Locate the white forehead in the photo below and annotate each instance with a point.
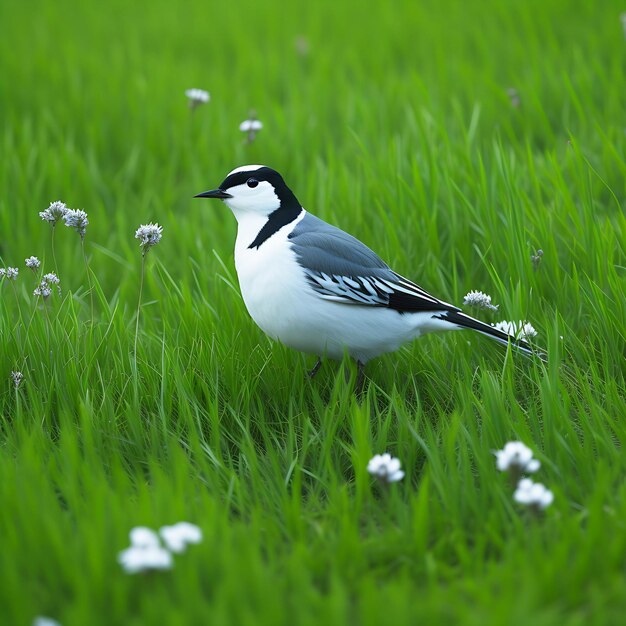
(246, 168)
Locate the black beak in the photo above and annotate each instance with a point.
(214, 193)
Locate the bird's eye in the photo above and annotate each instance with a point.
(252, 182)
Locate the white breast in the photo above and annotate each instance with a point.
(270, 278)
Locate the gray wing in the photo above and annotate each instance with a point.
(342, 269)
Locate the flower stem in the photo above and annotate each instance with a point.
(54, 256)
(143, 265)
(82, 245)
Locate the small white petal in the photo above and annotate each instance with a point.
(177, 537)
(532, 466)
(396, 476)
(143, 537)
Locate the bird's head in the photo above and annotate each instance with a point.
(254, 189)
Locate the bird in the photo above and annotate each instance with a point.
(319, 290)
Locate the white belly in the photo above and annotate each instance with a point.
(280, 301)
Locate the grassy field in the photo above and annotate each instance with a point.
(392, 121)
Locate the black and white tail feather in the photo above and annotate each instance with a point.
(404, 296)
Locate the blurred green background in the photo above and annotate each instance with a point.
(395, 121)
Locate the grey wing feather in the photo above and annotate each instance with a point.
(342, 269)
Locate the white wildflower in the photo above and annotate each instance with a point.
(480, 300)
(177, 537)
(197, 97)
(54, 212)
(51, 278)
(17, 378)
(247, 125)
(516, 457)
(33, 263)
(140, 559)
(42, 620)
(149, 235)
(76, 219)
(519, 330)
(251, 126)
(385, 468)
(10, 273)
(44, 288)
(3, 272)
(302, 45)
(536, 259)
(535, 495)
(514, 97)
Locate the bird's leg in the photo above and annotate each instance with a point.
(316, 368)
(360, 377)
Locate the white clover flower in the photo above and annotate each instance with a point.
(177, 537)
(197, 97)
(149, 235)
(144, 537)
(516, 457)
(140, 559)
(42, 620)
(76, 219)
(250, 125)
(535, 495)
(54, 212)
(17, 378)
(480, 300)
(519, 330)
(33, 263)
(385, 468)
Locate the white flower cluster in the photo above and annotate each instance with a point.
(76, 219)
(44, 289)
(197, 97)
(532, 494)
(10, 273)
(149, 235)
(54, 212)
(480, 300)
(33, 263)
(17, 378)
(146, 552)
(385, 468)
(519, 330)
(515, 456)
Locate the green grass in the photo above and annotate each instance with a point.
(397, 127)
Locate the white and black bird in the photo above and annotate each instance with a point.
(319, 290)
